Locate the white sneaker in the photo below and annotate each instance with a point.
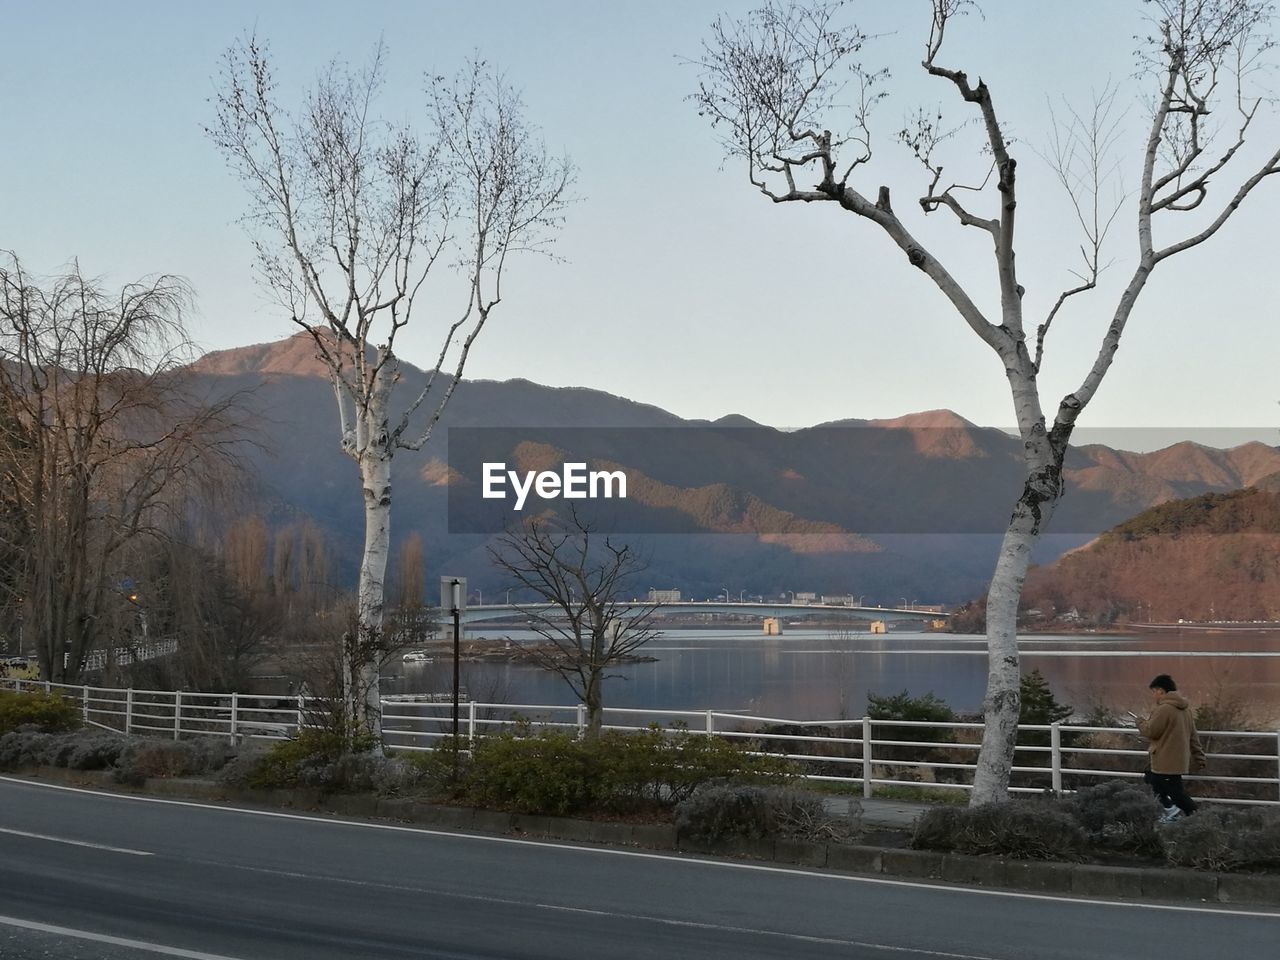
(1170, 814)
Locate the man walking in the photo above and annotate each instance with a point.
(1174, 747)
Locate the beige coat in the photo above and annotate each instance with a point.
(1174, 744)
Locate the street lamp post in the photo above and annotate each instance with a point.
(455, 596)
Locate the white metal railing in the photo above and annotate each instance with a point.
(863, 753)
(125, 655)
(177, 713)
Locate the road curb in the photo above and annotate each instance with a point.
(1079, 879)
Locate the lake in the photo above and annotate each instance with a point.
(818, 674)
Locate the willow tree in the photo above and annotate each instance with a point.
(351, 214)
(105, 448)
(788, 90)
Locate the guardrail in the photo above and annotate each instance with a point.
(863, 754)
(178, 713)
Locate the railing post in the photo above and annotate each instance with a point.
(177, 714)
(235, 717)
(471, 723)
(582, 720)
(866, 756)
(128, 711)
(48, 687)
(298, 731)
(1055, 754)
(84, 694)
(711, 723)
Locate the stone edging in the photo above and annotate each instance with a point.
(1078, 879)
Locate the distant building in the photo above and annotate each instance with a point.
(804, 597)
(843, 600)
(664, 596)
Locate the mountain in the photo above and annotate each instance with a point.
(1213, 556)
(909, 508)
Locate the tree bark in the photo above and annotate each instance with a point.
(595, 705)
(1002, 704)
(363, 660)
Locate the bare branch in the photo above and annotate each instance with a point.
(351, 215)
(590, 627)
(1081, 153)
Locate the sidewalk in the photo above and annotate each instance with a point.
(895, 814)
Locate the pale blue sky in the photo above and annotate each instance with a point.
(681, 286)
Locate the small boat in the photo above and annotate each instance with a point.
(463, 697)
(417, 656)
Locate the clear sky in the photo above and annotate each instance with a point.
(681, 286)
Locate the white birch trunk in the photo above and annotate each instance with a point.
(1003, 701)
(362, 659)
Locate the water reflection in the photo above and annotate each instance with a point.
(820, 674)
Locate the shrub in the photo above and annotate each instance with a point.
(725, 811)
(353, 772)
(903, 706)
(47, 711)
(239, 769)
(1039, 705)
(1019, 830)
(685, 761)
(140, 760)
(805, 815)
(1225, 839)
(311, 757)
(550, 772)
(95, 751)
(396, 777)
(440, 773)
(24, 748)
(1119, 815)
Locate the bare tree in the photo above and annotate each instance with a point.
(350, 216)
(787, 89)
(580, 613)
(412, 621)
(104, 447)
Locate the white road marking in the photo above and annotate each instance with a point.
(76, 843)
(756, 932)
(667, 857)
(113, 941)
(446, 894)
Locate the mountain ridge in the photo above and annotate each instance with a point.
(918, 501)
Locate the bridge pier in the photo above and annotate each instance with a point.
(772, 626)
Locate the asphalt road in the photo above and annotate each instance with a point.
(92, 875)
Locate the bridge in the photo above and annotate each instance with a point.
(789, 611)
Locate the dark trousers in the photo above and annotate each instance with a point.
(1168, 790)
